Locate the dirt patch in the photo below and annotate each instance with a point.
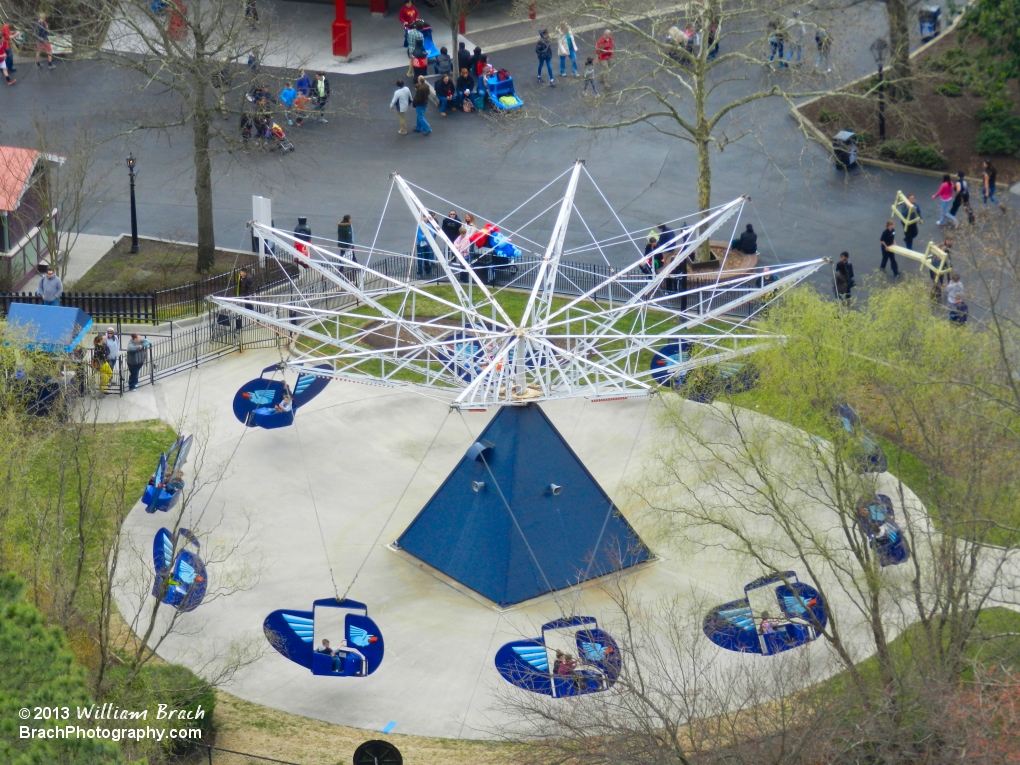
(946, 123)
(156, 266)
(253, 729)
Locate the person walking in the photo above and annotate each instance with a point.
(287, 96)
(136, 356)
(421, 103)
(844, 278)
(988, 178)
(101, 361)
(321, 95)
(50, 288)
(41, 30)
(400, 101)
(543, 49)
(604, 53)
(795, 34)
(777, 41)
(6, 56)
(887, 240)
(945, 197)
(589, 77)
(911, 215)
(407, 16)
(303, 84)
(416, 47)
(251, 13)
(345, 236)
(113, 344)
(961, 194)
(566, 47)
(7, 35)
(823, 42)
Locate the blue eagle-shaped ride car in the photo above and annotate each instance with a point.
(534, 664)
(181, 578)
(337, 638)
(878, 523)
(255, 403)
(165, 487)
(461, 354)
(777, 613)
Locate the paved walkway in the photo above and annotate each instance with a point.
(359, 463)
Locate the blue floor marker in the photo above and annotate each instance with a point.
(390, 726)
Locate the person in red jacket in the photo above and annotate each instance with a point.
(408, 14)
(604, 54)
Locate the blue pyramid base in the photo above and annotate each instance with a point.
(521, 516)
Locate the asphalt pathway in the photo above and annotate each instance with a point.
(801, 206)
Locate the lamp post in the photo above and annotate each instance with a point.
(879, 49)
(134, 213)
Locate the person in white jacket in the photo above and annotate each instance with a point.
(567, 47)
(400, 101)
(795, 33)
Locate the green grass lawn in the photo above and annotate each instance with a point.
(112, 456)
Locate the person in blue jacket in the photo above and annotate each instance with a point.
(287, 96)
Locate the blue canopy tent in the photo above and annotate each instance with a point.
(521, 516)
(50, 328)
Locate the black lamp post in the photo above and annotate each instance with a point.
(879, 49)
(134, 213)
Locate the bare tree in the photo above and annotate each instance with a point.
(188, 50)
(453, 11)
(691, 77)
(73, 188)
(779, 497)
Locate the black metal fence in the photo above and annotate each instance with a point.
(189, 299)
(134, 309)
(213, 755)
(215, 336)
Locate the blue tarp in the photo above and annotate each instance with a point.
(517, 536)
(50, 328)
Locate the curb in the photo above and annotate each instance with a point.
(826, 141)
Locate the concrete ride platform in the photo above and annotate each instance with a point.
(359, 463)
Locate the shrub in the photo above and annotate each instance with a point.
(999, 136)
(864, 138)
(913, 152)
(952, 61)
(949, 89)
(170, 684)
(825, 116)
(996, 108)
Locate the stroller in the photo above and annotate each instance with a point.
(275, 133)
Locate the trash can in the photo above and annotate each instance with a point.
(930, 18)
(844, 149)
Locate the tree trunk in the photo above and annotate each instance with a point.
(701, 143)
(898, 13)
(455, 34)
(203, 192)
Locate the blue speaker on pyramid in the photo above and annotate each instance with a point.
(521, 516)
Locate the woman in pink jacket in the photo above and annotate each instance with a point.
(945, 197)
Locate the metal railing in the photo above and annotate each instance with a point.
(214, 755)
(102, 306)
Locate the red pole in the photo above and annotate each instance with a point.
(531, 11)
(463, 24)
(341, 30)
